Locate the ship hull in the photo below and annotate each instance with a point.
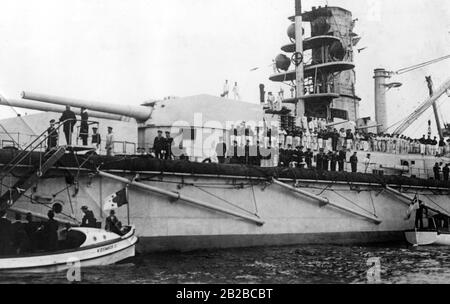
(165, 224)
(241, 211)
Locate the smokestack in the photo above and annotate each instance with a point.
(380, 76)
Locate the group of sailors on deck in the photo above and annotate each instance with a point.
(69, 120)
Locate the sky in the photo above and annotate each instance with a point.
(127, 52)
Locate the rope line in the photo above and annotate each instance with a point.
(224, 200)
(352, 202)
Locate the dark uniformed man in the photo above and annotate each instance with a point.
(354, 162)
(342, 158)
(112, 223)
(445, 172)
(89, 219)
(300, 157)
(31, 229)
(419, 215)
(234, 153)
(221, 151)
(258, 156)
(333, 161)
(158, 145)
(96, 138)
(5, 234)
(308, 158)
(289, 155)
(70, 120)
(334, 139)
(326, 161)
(52, 136)
(253, 155)
(320, 160)
(84, 126)
(51, 232)
(168, 146)
(247, 152)
(437, 172)
(281, 155)
(20, 238)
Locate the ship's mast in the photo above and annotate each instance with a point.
(300, 105)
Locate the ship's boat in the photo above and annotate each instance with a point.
(428, 237)
(84, 247)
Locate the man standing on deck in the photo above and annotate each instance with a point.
(236, 92)
(308, 158)
(437, 172)
(441, 147)
(419, 215)
(334, 158)
(334, 140)
(445, 172)
(434, 143)
(168, 146)
(320, 160)
(52, 136)
(109, 142)
(422, 142)
(226, 89)
(69, 119)
(84, 127)
(96, 139)
(366, 163)
(354, 162)
(342, 158)
(221, 151)
(271, 101)
(158, 145)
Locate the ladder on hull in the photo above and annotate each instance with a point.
(28, 180)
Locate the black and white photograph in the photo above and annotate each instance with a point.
(252, 143)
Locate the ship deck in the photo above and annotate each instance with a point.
(150, 165)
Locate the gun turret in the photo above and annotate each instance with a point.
(140, 113)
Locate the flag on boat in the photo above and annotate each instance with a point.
(412, 207)
(116, 200)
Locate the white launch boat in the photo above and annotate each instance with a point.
(428, 237)
(84, 247)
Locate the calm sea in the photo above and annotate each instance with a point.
(294, 264)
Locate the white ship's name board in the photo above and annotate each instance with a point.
(106, 248)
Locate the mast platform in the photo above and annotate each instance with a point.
(313, 97)
(312, 43)
(311, 70)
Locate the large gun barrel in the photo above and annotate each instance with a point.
(52, 108)
(140, 113)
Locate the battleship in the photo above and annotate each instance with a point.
(189, 203)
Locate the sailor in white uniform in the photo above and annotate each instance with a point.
(236, 92)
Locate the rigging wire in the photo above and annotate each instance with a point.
(420, 65)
